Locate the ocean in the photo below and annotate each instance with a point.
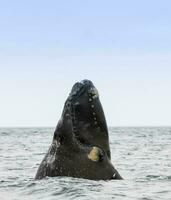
(142, 155)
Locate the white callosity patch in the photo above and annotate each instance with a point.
(77, 103)
(94, 93)
(94, 154)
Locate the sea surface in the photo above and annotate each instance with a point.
(141, 155)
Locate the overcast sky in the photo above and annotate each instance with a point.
(124, 47)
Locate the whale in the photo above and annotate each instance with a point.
(80, 145)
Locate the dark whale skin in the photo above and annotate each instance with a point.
(80, 146)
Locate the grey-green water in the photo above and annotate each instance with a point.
(141, 155)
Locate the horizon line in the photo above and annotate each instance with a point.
(116, 126)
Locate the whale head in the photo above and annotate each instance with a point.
(80, 146)
(88, 117)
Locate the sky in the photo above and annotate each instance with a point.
(123, 46)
